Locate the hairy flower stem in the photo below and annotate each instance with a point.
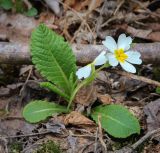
(74, 93)
(83, 83)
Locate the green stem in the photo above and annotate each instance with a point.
(74, 93)
(102, 67)
(81, 85)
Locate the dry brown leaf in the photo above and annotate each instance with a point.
(141, 33)
(76, 118)
(152, 110)
(139, 7)
(154, 36)
(86, 95)
(11, 127)
(145, 34)
(80, 5)
(154, 26)
(16, 27)
(69, 3)
(105, 99)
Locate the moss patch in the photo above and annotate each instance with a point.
(49, 147)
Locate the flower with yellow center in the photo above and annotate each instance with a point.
(85, 71)
(120, 53)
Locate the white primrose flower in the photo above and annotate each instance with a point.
(120, 53)
(85, 71)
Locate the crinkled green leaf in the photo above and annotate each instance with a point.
(31, 12)
(53, 57)
(116, 120)
(39, 110)
(6, 4)
(19, 6)
(55, 89)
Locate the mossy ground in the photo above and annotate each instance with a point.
(49, 147)
(15, 147)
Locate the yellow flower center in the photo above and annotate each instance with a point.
(120, 55)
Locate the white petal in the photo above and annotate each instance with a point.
(84, 72)
(128, 67)
(134, 57)
(110, 44)
(100, 59)
(112, 59)
(124, 42)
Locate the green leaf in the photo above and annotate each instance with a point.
(55, 89)
(39, 110)
(73, 81)
(158, 90)
(31, 12)
(116, 120)
(53, 57)
(19, 6)
(6, 4)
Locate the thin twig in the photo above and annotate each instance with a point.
(100, 133)
(29, 74)
(74, 11)
(138, 143)
(118, 7)
(91, 7)
(27, 135)
(84, 135)
(28, 4)
(145, 8)
(75, 34)
(144, 138)
(136, 77)
(96, 138)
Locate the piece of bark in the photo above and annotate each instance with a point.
(18, 53)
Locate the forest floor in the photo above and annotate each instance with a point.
(81, 22)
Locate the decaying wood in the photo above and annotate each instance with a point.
(18, 53)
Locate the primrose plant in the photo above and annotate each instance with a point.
(54, 59)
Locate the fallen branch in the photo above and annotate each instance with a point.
(18, 53)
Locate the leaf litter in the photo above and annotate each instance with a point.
(86, 25)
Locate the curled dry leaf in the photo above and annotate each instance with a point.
(87, 95)
(69, 3)
(154, 26)
(145, 34)
(76, 118)
(141, 33)
(154, 36)
(152, 110)
(80, 5)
